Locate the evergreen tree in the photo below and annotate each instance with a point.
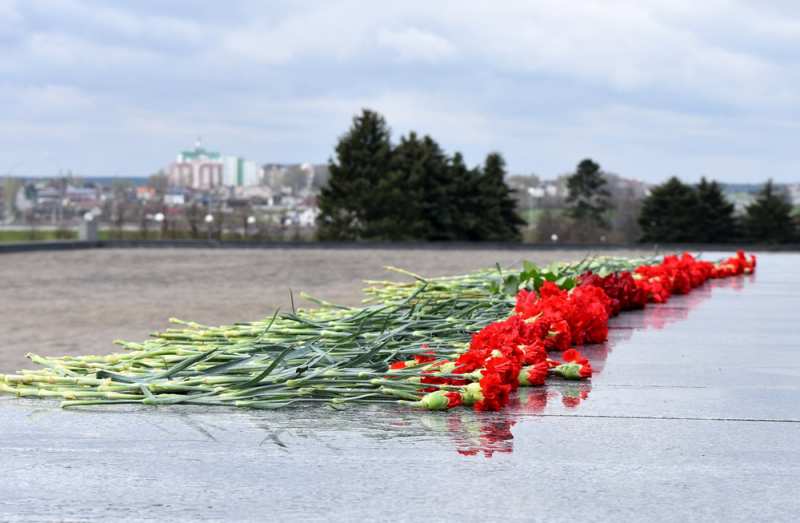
(466, 201)
(350, 206)
(588, 200)
(769, 218)
(438, 204)
(714, 220)
(668, 213)
(421, 178)
(412, 191)
(497, 207)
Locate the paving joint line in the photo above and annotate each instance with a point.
(668, 418)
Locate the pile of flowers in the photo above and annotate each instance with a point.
(539, 339)
(436, 343)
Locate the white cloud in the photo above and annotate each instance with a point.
(687, 82)
(412, 44)
(54, 49)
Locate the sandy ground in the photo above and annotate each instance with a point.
(78, 302)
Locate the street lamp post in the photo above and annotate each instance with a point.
(209, 220)
(159, 218)
(251, 220)
(88, 228)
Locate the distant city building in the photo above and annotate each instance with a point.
(240, 172)
(261, 193)
(145, 193)
(197, 168)
(79, 198)
(175, 197)
(25, 199)
(299, 177)
(307, 217)
(203, 169)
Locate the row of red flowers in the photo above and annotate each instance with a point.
(515, 351)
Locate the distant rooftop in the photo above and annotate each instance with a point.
(199, 152)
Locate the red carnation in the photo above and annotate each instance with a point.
(534, 374)
(494, 393)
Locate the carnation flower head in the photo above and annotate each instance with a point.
(534, 374)
(440, 400)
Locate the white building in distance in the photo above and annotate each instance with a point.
(202, 169)
(239, 172)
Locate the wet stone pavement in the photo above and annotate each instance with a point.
(693, 414)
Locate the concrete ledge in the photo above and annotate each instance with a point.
(34, 246)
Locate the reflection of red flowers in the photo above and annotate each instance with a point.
(572, 399)
(494, 436)
(533, 401)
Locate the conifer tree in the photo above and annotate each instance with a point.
(769, 218)
(497, 205)
(714, 221)
(466, 201)
(420, 171)
(350, 207)
(588, 200)
(413, 191)
(668, 213)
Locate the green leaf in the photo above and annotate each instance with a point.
(268, 370)
(529, 269)
(511, 285)
(566, 282)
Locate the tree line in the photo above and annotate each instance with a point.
(412, 190)
(677, 212)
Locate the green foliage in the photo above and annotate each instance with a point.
(532, 277)
(588, 200)
(412, 191)
(15, 236)
(668, 214)
(713, 217)
(675, 212)
(769, 218)
(496, 205)
(465, 185)
(350, 206)
(419, 191)
(10, 188)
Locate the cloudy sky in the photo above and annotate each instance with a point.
(646, 88)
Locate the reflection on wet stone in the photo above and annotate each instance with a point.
(486, 434)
